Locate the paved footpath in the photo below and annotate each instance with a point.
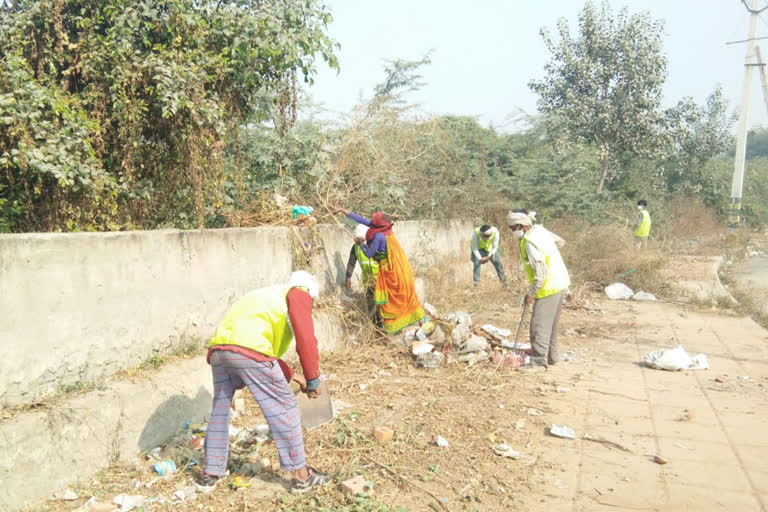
(714, 435)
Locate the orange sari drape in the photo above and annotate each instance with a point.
(396, 291)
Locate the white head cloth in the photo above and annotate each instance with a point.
(305, 280)
(360, 231)
(519, 218)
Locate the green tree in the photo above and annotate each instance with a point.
(137, 101)
(402, 76)
(603, 86)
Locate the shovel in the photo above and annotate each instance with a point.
(520, 326)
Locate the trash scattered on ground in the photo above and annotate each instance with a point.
(563, 390)
(164, 467)
(127, 502)
(460, 317)
(154, 453)
(720, 379)
(188, 493)
(425, 331)
(674, 359)
(743, 377)
(510, 359)
(606, 442)
(643, 296)
(241, 482)
(65, 495)
(430, 360)
(442, 442)
(383, 433)
(340, 405)
(504, 450)
(562, 431)
(686, 415)
(501, 335)
(299, 209)
(534, 412)
(473, 344)
(460, 334)
(471, 358)
(430, 310)
(356, 485)
(619, 291)
(421, 347)
(659, 460)
(522, 347)
(362, 387)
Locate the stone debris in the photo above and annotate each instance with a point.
(504, 450)
(442, 442)
(383, 433)
(356, 485)
(659, 460)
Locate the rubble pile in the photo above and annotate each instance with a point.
(453, 339)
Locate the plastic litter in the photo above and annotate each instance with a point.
(619, 291)
(523, 347)
(154, 453)
(164, 467)
(460, 317)
(299, 209)
(442, 442)
(473, 344)
(459, 334)
(674, 359)
(127, 502)
(471, 358)
(430, 360)
(562, 431)
(643, 296)
(504, 450)
(499, 334)
(421, 347)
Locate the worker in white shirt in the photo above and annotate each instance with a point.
(485, 248)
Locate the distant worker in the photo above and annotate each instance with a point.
(245, 351)
(549, 282)
(395, 292)
(369, 268)
(485, 248)
(642, 225)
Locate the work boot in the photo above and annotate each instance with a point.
(315, 479)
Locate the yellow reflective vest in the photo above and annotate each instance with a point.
(258, 321)
(557, 275)
(484, 244)
(369, 267)
(645, 226)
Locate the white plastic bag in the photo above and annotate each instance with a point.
(619, 291)
(643, 296)
(675, 359)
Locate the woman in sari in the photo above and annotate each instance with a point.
(395, 292)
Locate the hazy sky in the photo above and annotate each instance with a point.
(486, 51)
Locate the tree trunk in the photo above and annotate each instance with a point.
(605, 174)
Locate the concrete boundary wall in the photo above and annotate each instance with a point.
(79, 307)
(84, 306)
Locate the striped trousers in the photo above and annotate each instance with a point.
(266, 381)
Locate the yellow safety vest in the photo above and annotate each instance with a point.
(484, 244)
(258, 321)
(369, 267)
(645, 226)
(557, 275)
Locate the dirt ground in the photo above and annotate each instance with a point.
(711, 434)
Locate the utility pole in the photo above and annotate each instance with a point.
(741, 135)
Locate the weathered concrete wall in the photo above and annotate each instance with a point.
(78, 307)
(52, 449)
(84, 306)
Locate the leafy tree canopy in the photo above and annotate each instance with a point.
(603, 85)
(115, 112)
